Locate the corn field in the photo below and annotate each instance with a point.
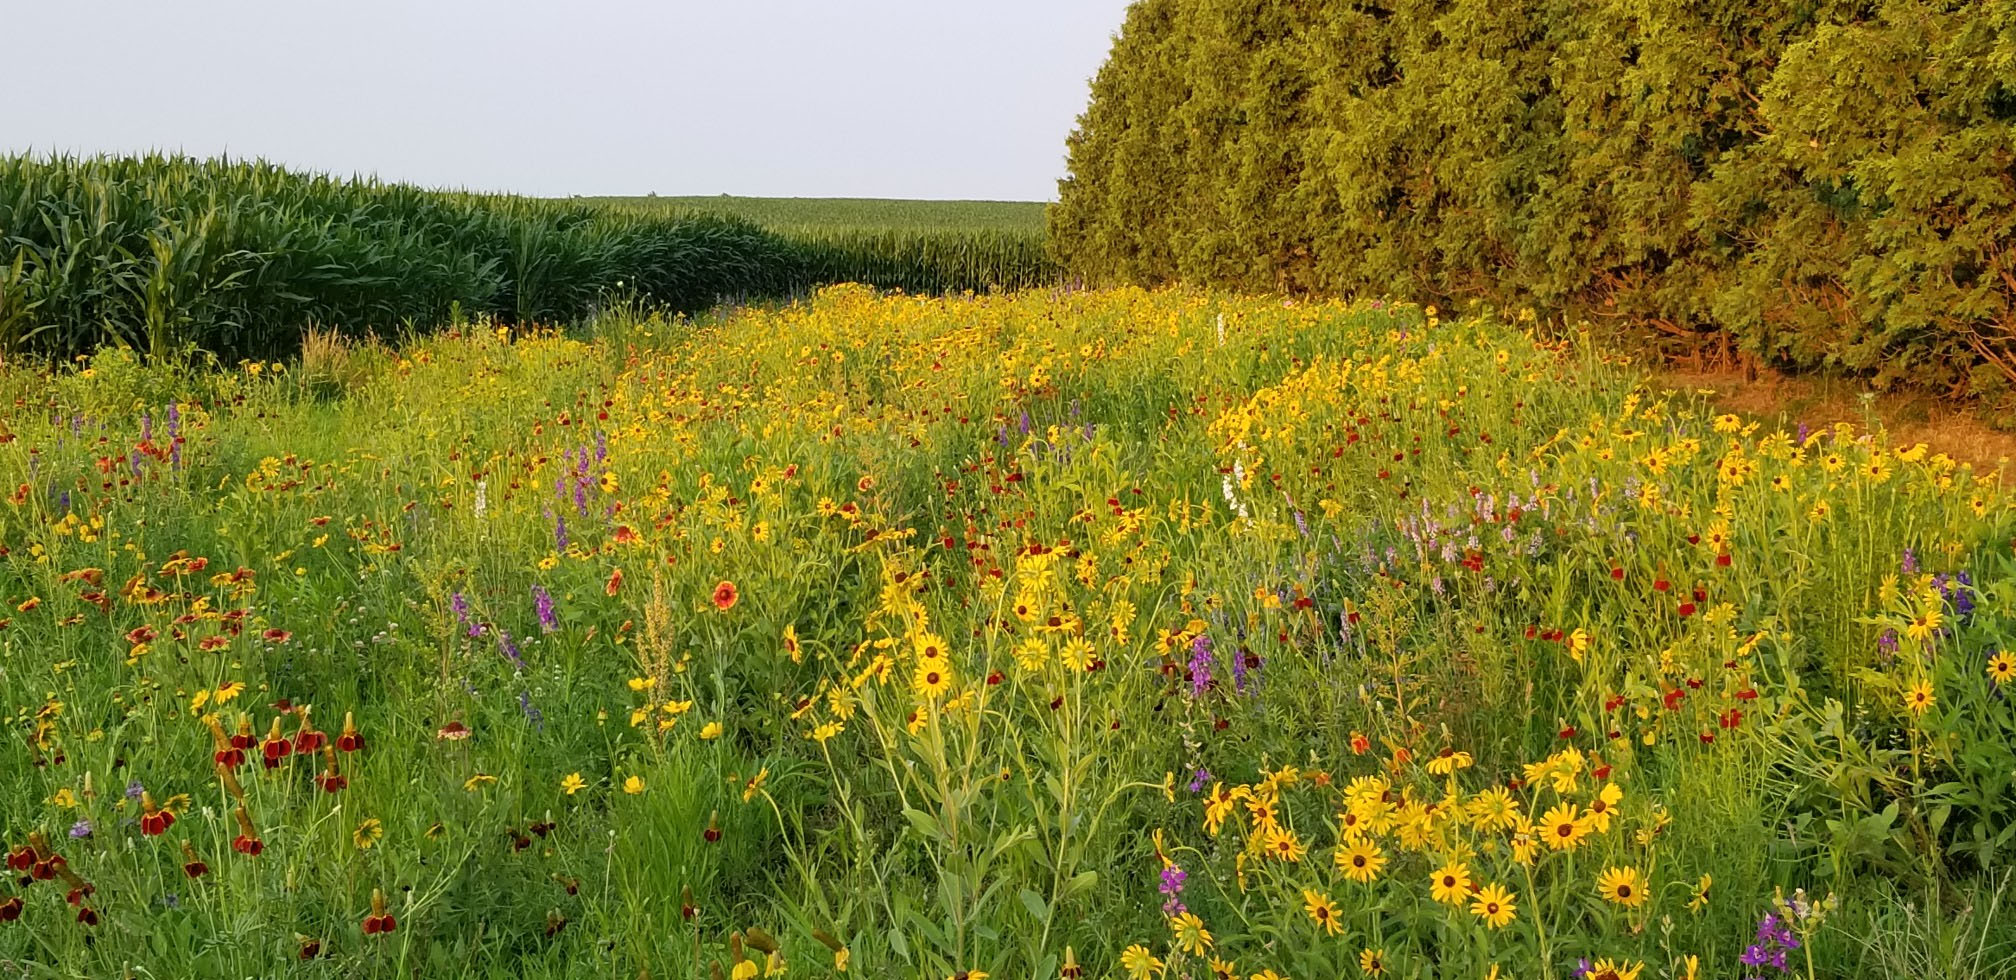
(164, 253)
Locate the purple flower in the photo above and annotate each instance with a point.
(1583, 968)
(1172, 886)
(80, 830)
(460, 604)
(1200, 665)
(543, 602)
(531, 713)
(134, 790)
(1198, 779)
(1910, 562)
(509, 649)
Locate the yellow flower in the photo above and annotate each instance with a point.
(826, 731)
(1448, 761)
(367, 833)
(1139, 963)
(643, 683)
(1494, 906)
(755, 784)
(573, 784)
(710, 731)
(1321, 911)
(1603, 807)
(1621, 886)
(2001, 668)
(745, 970)
(1191, 936)
(1360, 861)
(1285, 845)
(64, 798)
(1563, 827)
(1700, 899)
(1494, 809)
(478, 781)
(932, 680)
(1614, 970)
(1451, 883)
(1372, 962)
(633, 785)
(1919, 697)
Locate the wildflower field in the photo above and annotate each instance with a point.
(1055, 634)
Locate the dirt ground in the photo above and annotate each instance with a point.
(1958, 431)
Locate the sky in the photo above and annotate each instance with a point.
(787, 98)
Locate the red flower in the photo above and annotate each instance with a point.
(247, 842)
(1707, 738)
(308, 740)
(1731, 718)
(243, 738)
(350, 741)
(87, 916)
(329, 779)
(1360, 744)
(1722, 559)
(10, 909)
(1616, 573)
(192, 865)
(725, 596)
(379, 921)
(1661, 585)
(1673, 698)
(277, 636)
(615, 582)
(275, 746)
(1686, 610)
(153, 821)
(21, 859)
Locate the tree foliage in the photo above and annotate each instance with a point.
(1816, 183)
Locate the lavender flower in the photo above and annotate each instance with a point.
(510, 649)
(532, 714)
(1200, 665)
(1910, 562)
(1198, 779)
(80, 830)
(460, 605)
(543, 602)
(1172, 886)
(134, 790)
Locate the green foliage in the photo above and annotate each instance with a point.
(797, 213)
(1822, 184)
(239, 258)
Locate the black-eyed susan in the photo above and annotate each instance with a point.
(1919, 698)
(1563, 827)
(1321, 911)
(2002, 668)
(1607, 969)
(1450, 884)
(1603, 808)
(1372, 962)
(1494, 905)
(1448, 761)
(1283, 844)
(931, 680)
(1621, 886)
(1360, 860)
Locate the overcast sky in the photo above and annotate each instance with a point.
(814, 98)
